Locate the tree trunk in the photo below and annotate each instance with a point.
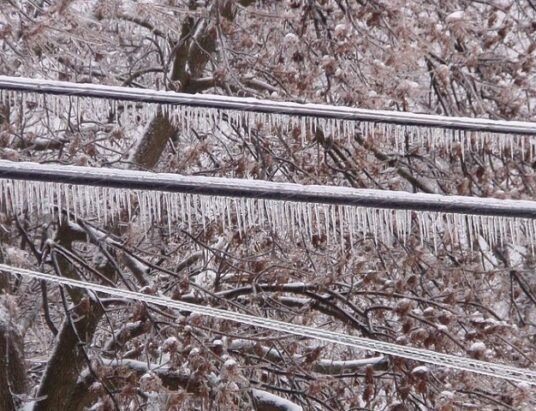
(12, 370)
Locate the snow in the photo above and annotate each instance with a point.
(455, 16)
(17, 257)
(276, 401)
(205, 278)
(327, 366)
(428, 311)
(477, 347)
(291, 39)
(28, 406)
(442, 327)
(524, 386)
(420, 370)
(340, 30)
(170, 344)
(229, 363)
(338, 366)
(447, 394)
(149, 382)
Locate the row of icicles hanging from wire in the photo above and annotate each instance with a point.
(335, 226)
(57, 111)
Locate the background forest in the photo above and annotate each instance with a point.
(62, 349)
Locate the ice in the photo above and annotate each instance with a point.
(399, 138)
(477, 347)
(229, 363)
(420, 370)
(455, 16)
(273, 401)
(339, 224)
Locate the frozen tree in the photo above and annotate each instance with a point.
(63, 348)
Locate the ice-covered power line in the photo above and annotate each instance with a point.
(267, 190)
(341, 215)
(263, 106)
(417, 354)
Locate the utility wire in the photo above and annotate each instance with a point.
(417, 354)
(258, 189)
(263, 106)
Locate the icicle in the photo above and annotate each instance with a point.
(287, 223)
(388, 218)
(143, 204)
(350, 218)
(297, 220)
(17, 201)
(317, 219)
(158, 202)
(330, 226)
(339, 225)
(238, 218)
(262, 212)
(420, 219)
(276, 217)
(434, 231)
(303, 131)
(249, 213)
(532, 235)
(360, 216)
(203, 208)
(518, 231)
(189, 212)
(242, 212)
(308, 221)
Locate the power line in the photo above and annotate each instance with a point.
(263, 106)
(258, 189)
(444, 360)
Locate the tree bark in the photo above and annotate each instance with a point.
(68, 359)
(12, 369)
(150, 147)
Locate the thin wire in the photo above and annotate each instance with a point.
(267, 190)
(263, 106)
(444, 360)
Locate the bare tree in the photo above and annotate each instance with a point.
(91, 352)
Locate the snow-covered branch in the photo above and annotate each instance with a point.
(321, 366)
(266, 401)
(172, 379)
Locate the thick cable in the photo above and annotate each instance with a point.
(263, 106)
(417, 354)
(230, 187)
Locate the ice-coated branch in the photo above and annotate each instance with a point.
(266, 401)
(321, 366)
(263, 106)
(173, 379)
(266, 190)
(416, 354)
